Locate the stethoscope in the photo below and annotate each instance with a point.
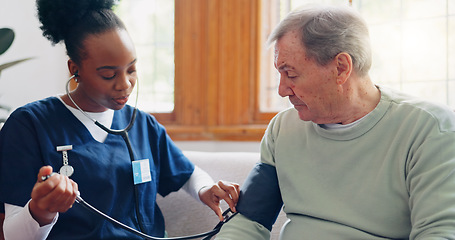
(227, 215)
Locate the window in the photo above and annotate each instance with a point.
(413, 44)
(151, 26)
(216, 48)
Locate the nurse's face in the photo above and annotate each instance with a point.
(107, 73)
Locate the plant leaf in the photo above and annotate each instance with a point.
(10, 64)
(6, 39)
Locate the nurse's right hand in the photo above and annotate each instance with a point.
(56, 194)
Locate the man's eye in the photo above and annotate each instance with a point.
(290, 74)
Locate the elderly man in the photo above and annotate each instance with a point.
(351, 160)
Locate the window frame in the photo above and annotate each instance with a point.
(217, 63)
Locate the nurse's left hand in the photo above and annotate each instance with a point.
(223, 190)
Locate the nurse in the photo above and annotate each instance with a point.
(57, 134)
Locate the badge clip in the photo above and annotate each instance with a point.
(66, 169)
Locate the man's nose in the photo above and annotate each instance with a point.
(284, 89)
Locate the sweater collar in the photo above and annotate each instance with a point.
(361, 126)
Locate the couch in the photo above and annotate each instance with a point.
(184, 215)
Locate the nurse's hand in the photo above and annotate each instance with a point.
(56, 194)
(212, 195)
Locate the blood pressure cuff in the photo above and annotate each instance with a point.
(260, 196)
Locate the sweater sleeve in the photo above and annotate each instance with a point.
(431, 182)
(243, 228)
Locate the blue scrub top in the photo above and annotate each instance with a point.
(102, 171)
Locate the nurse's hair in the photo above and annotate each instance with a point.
(327, 31)
(72, 21)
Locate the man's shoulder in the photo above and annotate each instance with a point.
(417, 108)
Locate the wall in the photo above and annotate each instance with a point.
(43, 76)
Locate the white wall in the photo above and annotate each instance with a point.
(43, 76)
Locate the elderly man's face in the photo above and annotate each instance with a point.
(311, 88)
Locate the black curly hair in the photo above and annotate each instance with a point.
(71, 21)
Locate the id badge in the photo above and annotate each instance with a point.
(141, 171)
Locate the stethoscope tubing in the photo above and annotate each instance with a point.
(124, 134)
(84, 204)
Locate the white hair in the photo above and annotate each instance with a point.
(327, 31)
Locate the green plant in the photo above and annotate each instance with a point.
(6, 39)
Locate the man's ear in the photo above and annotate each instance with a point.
(344, 67)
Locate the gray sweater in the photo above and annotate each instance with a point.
(390, 175)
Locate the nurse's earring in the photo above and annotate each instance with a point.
(76, 74)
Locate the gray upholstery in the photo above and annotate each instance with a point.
(184, 215)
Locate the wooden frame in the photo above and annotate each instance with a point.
(217, 61)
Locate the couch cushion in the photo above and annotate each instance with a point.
(184, 215)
